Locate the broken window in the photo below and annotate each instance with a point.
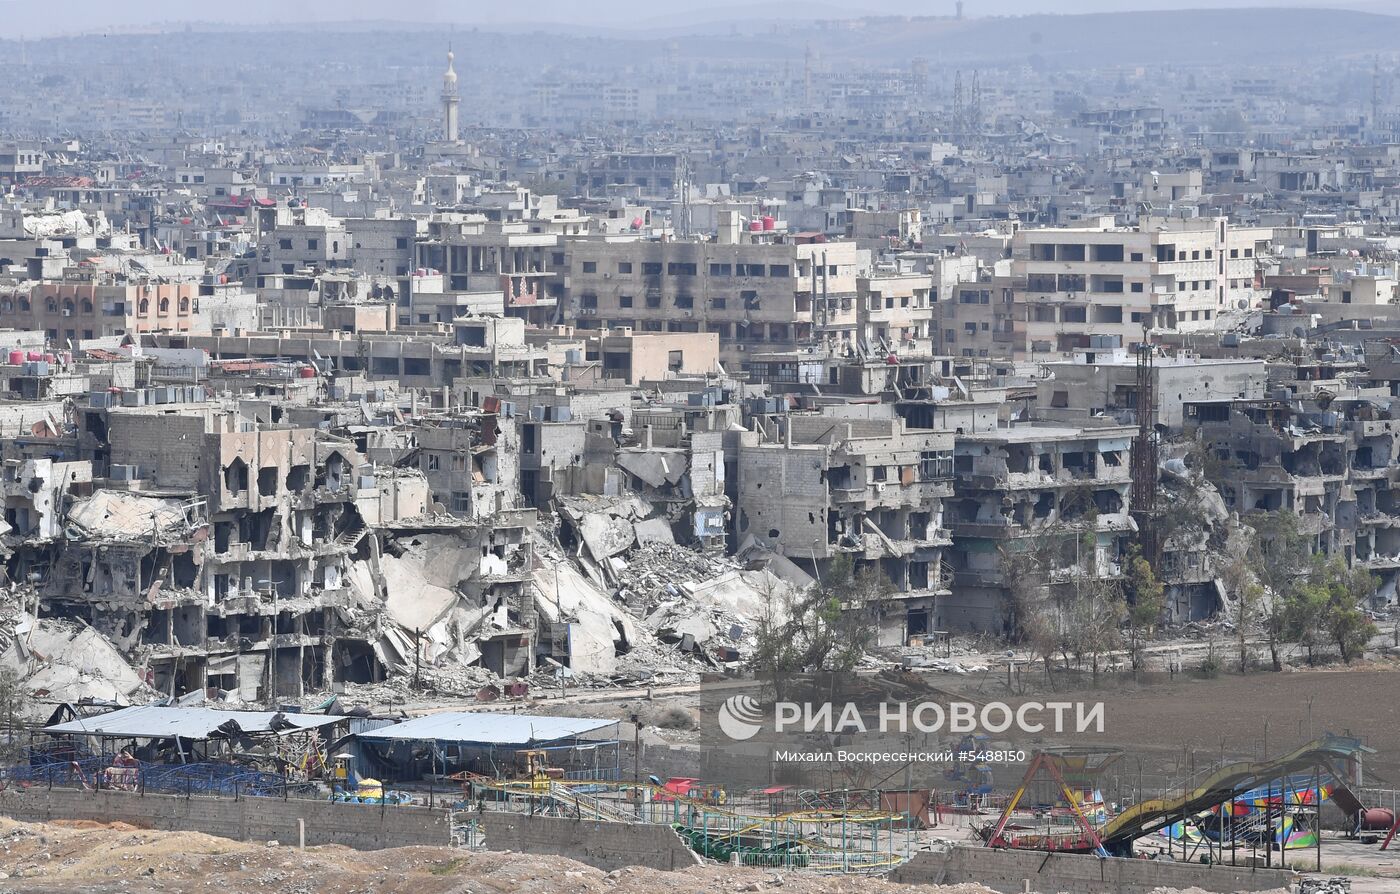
(236, 476)
(1076, 462)
(1108, 501)
(1044, 502)
(223, 532)
(935, 465)
(298, 477)
(267, 481)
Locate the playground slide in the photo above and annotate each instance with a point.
(1227, 783)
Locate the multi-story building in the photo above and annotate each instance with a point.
(87, 306)
(510, 258)
(753, 294)
(1168, 274)
(865, 488)
(893, 308)
(1068, 486)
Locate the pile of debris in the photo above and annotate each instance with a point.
(53, 660)
(658, 573)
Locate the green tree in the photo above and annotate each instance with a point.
(1249, 602)
(1343, 621)
(1146, 599)
(1303, 616)
(1279, 557)
(1243, 593)
(826, 628)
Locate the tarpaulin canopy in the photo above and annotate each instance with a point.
(187, 723)
(502, 730)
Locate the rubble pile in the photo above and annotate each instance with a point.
(674, 613)
(57, 660)
(653, 573)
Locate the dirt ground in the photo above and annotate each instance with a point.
(1247, 716)
(89, 857)
(105, 859)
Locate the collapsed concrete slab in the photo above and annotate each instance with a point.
(56, 661)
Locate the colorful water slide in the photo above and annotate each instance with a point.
(1226, 784)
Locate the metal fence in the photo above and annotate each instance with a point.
(110, 773)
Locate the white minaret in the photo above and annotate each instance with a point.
(450, 99)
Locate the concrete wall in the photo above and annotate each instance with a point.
(604, 845)
(783, 499)
(361, 826)
(1006, 870)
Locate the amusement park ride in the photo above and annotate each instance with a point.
(1270, 803)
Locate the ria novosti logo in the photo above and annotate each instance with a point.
(741, 717)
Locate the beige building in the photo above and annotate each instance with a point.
(753, 295)
(627, 356)
(1165, 274)
(894, 308)
(84, 308)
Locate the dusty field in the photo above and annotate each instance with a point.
(1164, 718)
(93, 858)
(90, 857)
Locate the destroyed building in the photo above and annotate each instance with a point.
(393, 391)
(1068, 486)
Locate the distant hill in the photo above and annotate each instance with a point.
(1183, 36)
(783, 30)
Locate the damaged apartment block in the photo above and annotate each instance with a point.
(1029, 483)
(815, 487)
(220, 551)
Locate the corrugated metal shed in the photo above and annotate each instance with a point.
(187, 723)
(505, 730)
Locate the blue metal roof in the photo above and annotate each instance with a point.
(187, 723)
(508, 730)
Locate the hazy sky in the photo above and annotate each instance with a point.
(34, 19)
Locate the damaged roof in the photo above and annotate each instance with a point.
(110, 513)
(506, 730)
(187, 723)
